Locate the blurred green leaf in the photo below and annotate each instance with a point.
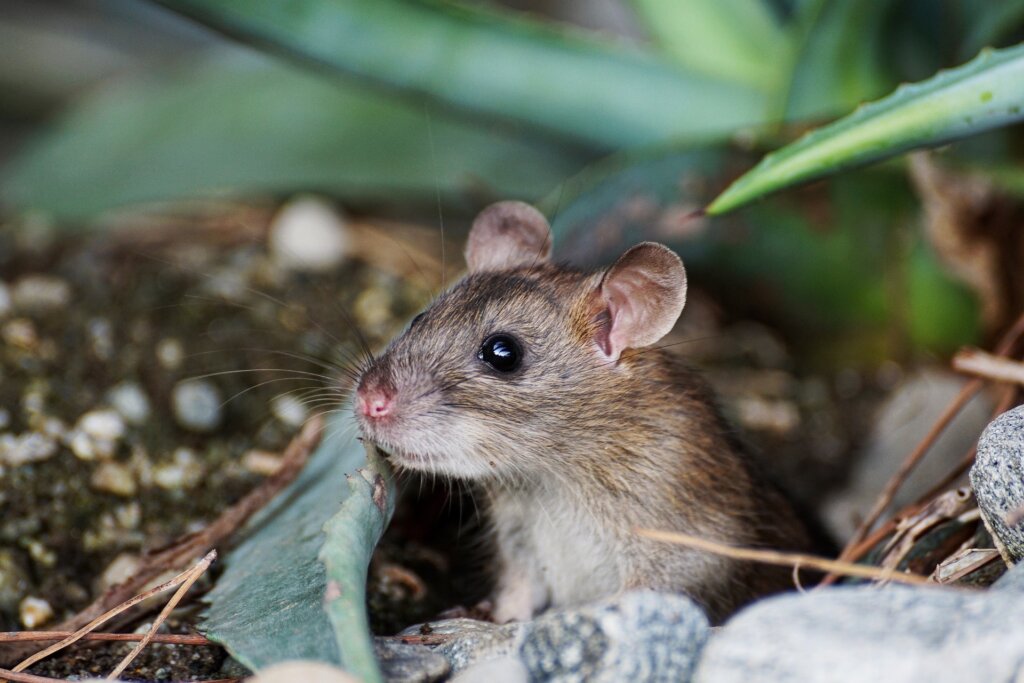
(835, 59)
(983, 94)
(256, 126)
(737, 40)
(495, 65)
(992, 25)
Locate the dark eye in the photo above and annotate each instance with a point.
(501, 352)
(416, 320)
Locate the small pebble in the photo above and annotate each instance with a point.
(128, 515)
(103, 424)
(263, 463)
(197, 405)
(40, 293)
(289, 410)
(308, 234)
(21, 334)
(34, 612)
(26, 448)
(184, 472)
(6, 305)
(41, 554)
(115, 478)
(101, 338)
(130, 400)
(123, 567)
(170, 353)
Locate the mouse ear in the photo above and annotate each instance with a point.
(507, 235)
(643, 295)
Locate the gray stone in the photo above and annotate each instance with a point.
(1011, 581)
(638, 636)
(129, 399)
(903, 420)
(998, 480)
(861, 633)
(197, 405)
(473, 641)
(408, 663)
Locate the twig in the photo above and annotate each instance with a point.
(190, 546)
(1006, 344)
(786, 559)
(191, 578)
(21, 677)
(127, 604)
(165, 638)
(986, 366)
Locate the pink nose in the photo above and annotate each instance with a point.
(374, 403)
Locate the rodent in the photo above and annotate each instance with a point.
(535, 381)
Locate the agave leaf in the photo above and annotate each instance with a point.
(495, 64)
(737, 40)
(255, 126)
(983, 94)
(277, 598)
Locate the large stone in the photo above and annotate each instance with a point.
(860, 633)
(998, 480)
(407, 663)
(638, 636)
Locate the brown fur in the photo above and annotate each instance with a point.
(575, 451)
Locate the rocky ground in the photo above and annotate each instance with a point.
(148, 379)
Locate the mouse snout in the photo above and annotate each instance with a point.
(374, 400)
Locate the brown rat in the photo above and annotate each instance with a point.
(533, 380)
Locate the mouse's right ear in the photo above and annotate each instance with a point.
(642, 296)
(508, 235)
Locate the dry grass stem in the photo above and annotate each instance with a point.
(191, 577)
(986, 366)
(1005, 346)
(15, 677)
(165, 638)
(106, 616)
(785, 559)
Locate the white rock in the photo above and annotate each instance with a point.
(184, 472)
(26, 448)
(197, 405)
(289, 410)
(115, 478)
(34, 612)
(123, 567)
(308, 234)
(130, 400)
(40, 293)
(105, 424)
(170, 353)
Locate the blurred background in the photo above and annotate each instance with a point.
(199, 201)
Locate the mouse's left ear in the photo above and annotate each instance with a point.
(508, 235)
(642, 296)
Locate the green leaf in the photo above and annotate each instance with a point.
(495, 65)
(278, 598)
(255, 126)
(737, 40)
(834, 62)
(983, 94)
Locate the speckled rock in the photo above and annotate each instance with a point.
(848, 633)
(408, 663)
(474, 641)
(998, 480)
(197, 405)
(639, 636)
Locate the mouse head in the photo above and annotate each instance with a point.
(522, 360)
